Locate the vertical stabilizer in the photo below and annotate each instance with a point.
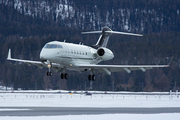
(103, 39)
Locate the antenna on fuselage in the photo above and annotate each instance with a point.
(65, 40)
(79, 43)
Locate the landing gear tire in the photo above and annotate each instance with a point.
(93, 77)
(89, 77)
(64, 76)
(49, 73)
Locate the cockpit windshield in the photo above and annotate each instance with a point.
(60, 46)
(47, 45)
(52, 46)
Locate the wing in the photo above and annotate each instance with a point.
(39, 64)
(116, 68)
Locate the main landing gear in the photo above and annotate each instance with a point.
(64, 76)
(91, 77)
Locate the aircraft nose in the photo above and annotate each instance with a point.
(112, 55)
(42, 55)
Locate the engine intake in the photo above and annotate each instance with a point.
(105, 54)
(100, 52)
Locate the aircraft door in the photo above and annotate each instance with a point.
(62, 53)
(65, 53)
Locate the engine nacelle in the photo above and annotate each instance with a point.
(105, 54)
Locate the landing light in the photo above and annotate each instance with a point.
(49, 66)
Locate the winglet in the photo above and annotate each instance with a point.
(171, 60)
(9, 54)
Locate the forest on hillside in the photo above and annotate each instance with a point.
(139, 16)
(26, 35)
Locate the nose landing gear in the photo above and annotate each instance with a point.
(49, 73)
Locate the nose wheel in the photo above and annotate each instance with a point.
(49, 73)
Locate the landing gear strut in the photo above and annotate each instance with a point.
(49, 73)
(64, 76)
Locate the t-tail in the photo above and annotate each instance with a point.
(105, 34)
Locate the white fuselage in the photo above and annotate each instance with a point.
(69, 55)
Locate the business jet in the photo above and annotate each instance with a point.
(62, 56)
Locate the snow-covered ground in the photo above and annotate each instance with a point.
(82, 100)
(167, 116)
(95, 100)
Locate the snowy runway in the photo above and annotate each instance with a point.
(51, 111)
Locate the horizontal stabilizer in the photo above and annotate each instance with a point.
(112, 32)
(91, 32)
(123, 33)
(105, 34)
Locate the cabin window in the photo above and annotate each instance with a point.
(74, 52)
(60, 46)
(53, 46)
(86, 53)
